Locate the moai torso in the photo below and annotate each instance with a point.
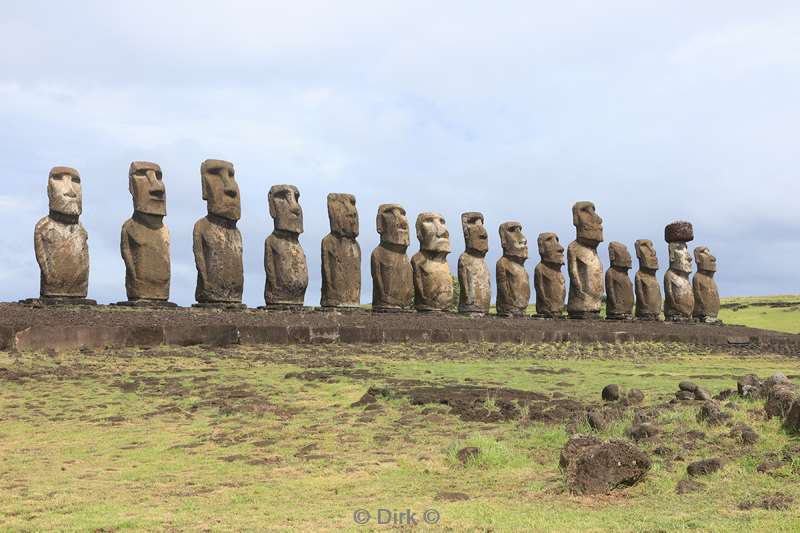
(62, 252)
(145, 251)
(433, 286)
(475, 284)
(218, 256)
(619, 289)
(548, 280)
(648, 295)
(585, 279)
(678, 295)
(392, 279)
(287, 271)
(513, 287)
(341, 271)
(706, 296)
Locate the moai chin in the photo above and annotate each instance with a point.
(548, 280)
(61, 242)
(704, 288)
(341, 255)
(144, 242)
(392, 275)
(678, 294)
(584, 265)
(217, 242)
(513, 284)
(619, 289)
(433, 285)
(648, 290)
(473, 274)
(284, 259)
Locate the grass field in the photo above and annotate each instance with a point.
(781, 313)
(254, 439)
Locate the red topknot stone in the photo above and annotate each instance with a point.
(679, 231)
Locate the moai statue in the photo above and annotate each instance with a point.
(341, 255)
(583, 263)
(513, 284)
(392, 275)
(473, 273)
(706, 293)
(60, 243)
(678, 295)
(144, 242)
(217, 241)
(284, 259)
(619, 289)
(648, 290)
(548, 279)
(433, 285)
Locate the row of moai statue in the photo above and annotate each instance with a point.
(399, 284)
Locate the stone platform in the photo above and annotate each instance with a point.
(27, 328)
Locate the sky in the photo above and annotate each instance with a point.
(655, 111)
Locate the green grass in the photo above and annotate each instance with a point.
(194, 439)
(756, 312)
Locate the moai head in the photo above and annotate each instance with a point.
(220, 189)
(432, 233)
(588, 223)
(550, 249)
(343, 215)
(679, 258)
(513, 241)
(147, 188)
(646, 253)
(476, 237)
(619, 256)
(705, 261)
(392, 224)
(284, 208)
(64, 191)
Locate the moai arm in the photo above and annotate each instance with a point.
(269, 262)
(464, 281)
(572, 266)
(611, 296)
(503, 283)
(327, 262)
(419, 286)
(377, 275)
(41, 253)
(198, 247)
(538, 284)
(125, 250)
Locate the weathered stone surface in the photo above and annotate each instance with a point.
(584, 265)
(595, 467)
(749, 386)
(548, 280)
(392, 275)
(144, 242)
(780, 399)
(619, 289)
(611, 393)
(791, 422)
(433, 285)
(513, 284)
(60, 240)
(648, 290)
(678, 294)
(284, 260)
(473, 272)
(217, 243)
(703, 467)
(706, 293)
(341, 254)
(679, 231)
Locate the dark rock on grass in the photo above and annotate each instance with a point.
(468, 453)
(744, 434)
(791, 422)
(711, 414)
(451, 497)
(642, 431)
(596, 421)
(701, 394)
(688, 386)
(724, 394)
(595, 467)
(684, 395)
(686, 486)
(611, 393)
(779, 400)
(749, 386)
(772, 502)
(635, 396)
(703, 467)
(766, 466)
(773, 381)
(663, 451)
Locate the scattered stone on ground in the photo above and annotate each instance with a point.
(701, 394)
(792, 421)
(687, 485)
(684, 395)
(596, 421)
(595, 467)
(468, 453)
(766, 466)
(703, 467)
(687, 386)
(744, 434)
(451, 496)
(635, 396)
(780, 398)
(639, 432)
(749, 386)
(724, 394)
(711, 414)
(771, 502)
(611, 393)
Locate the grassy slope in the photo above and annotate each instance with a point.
(752, 312)
(188, 439)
